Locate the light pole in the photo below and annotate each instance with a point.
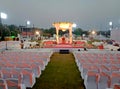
(111, 26)
(0, 19)
(27, 24)
(3, 16)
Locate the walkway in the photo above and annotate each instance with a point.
(60, 73)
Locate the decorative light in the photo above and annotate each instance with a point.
(64, 26)
(63, 30)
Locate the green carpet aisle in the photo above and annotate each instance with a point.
(60, 73)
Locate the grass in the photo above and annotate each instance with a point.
(60, 73)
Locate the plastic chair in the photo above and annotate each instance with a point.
(104, 81)
(91, 80)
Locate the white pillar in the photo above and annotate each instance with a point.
(57, 35)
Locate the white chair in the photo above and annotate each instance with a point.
(36, 70)
(105, 69)
(28, 78)
(87, 68)
(115, 68)
(6, 74)
(3, 84)
(91, 80)
(104, 81)
(115, 78)
(1, 75)
(13, 83)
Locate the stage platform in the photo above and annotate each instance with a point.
(63, 46)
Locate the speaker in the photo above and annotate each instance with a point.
(118, 49)
(64, 51)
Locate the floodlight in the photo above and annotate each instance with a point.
(3, 15)
(110, 23)
(74, 25)
(28, 22)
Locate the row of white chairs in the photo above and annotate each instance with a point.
(102, 80)
(23, 67)
(24, 76)
(25, 57)
(10, 44)
(11, 83)
(99, 70)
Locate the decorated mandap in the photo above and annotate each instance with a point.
(63, 26)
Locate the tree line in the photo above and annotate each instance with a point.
(8, 30)
(13, 30)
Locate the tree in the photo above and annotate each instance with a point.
(63, 32)
(4, 31)
(10, 30)
(50, 31)
(14, 30)
(1, 31)
(7, 31)
(85, 32)
(78, 31)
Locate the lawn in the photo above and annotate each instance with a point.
(60, 73)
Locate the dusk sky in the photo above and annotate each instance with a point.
(87, 14)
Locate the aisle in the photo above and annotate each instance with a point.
(60, 73)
